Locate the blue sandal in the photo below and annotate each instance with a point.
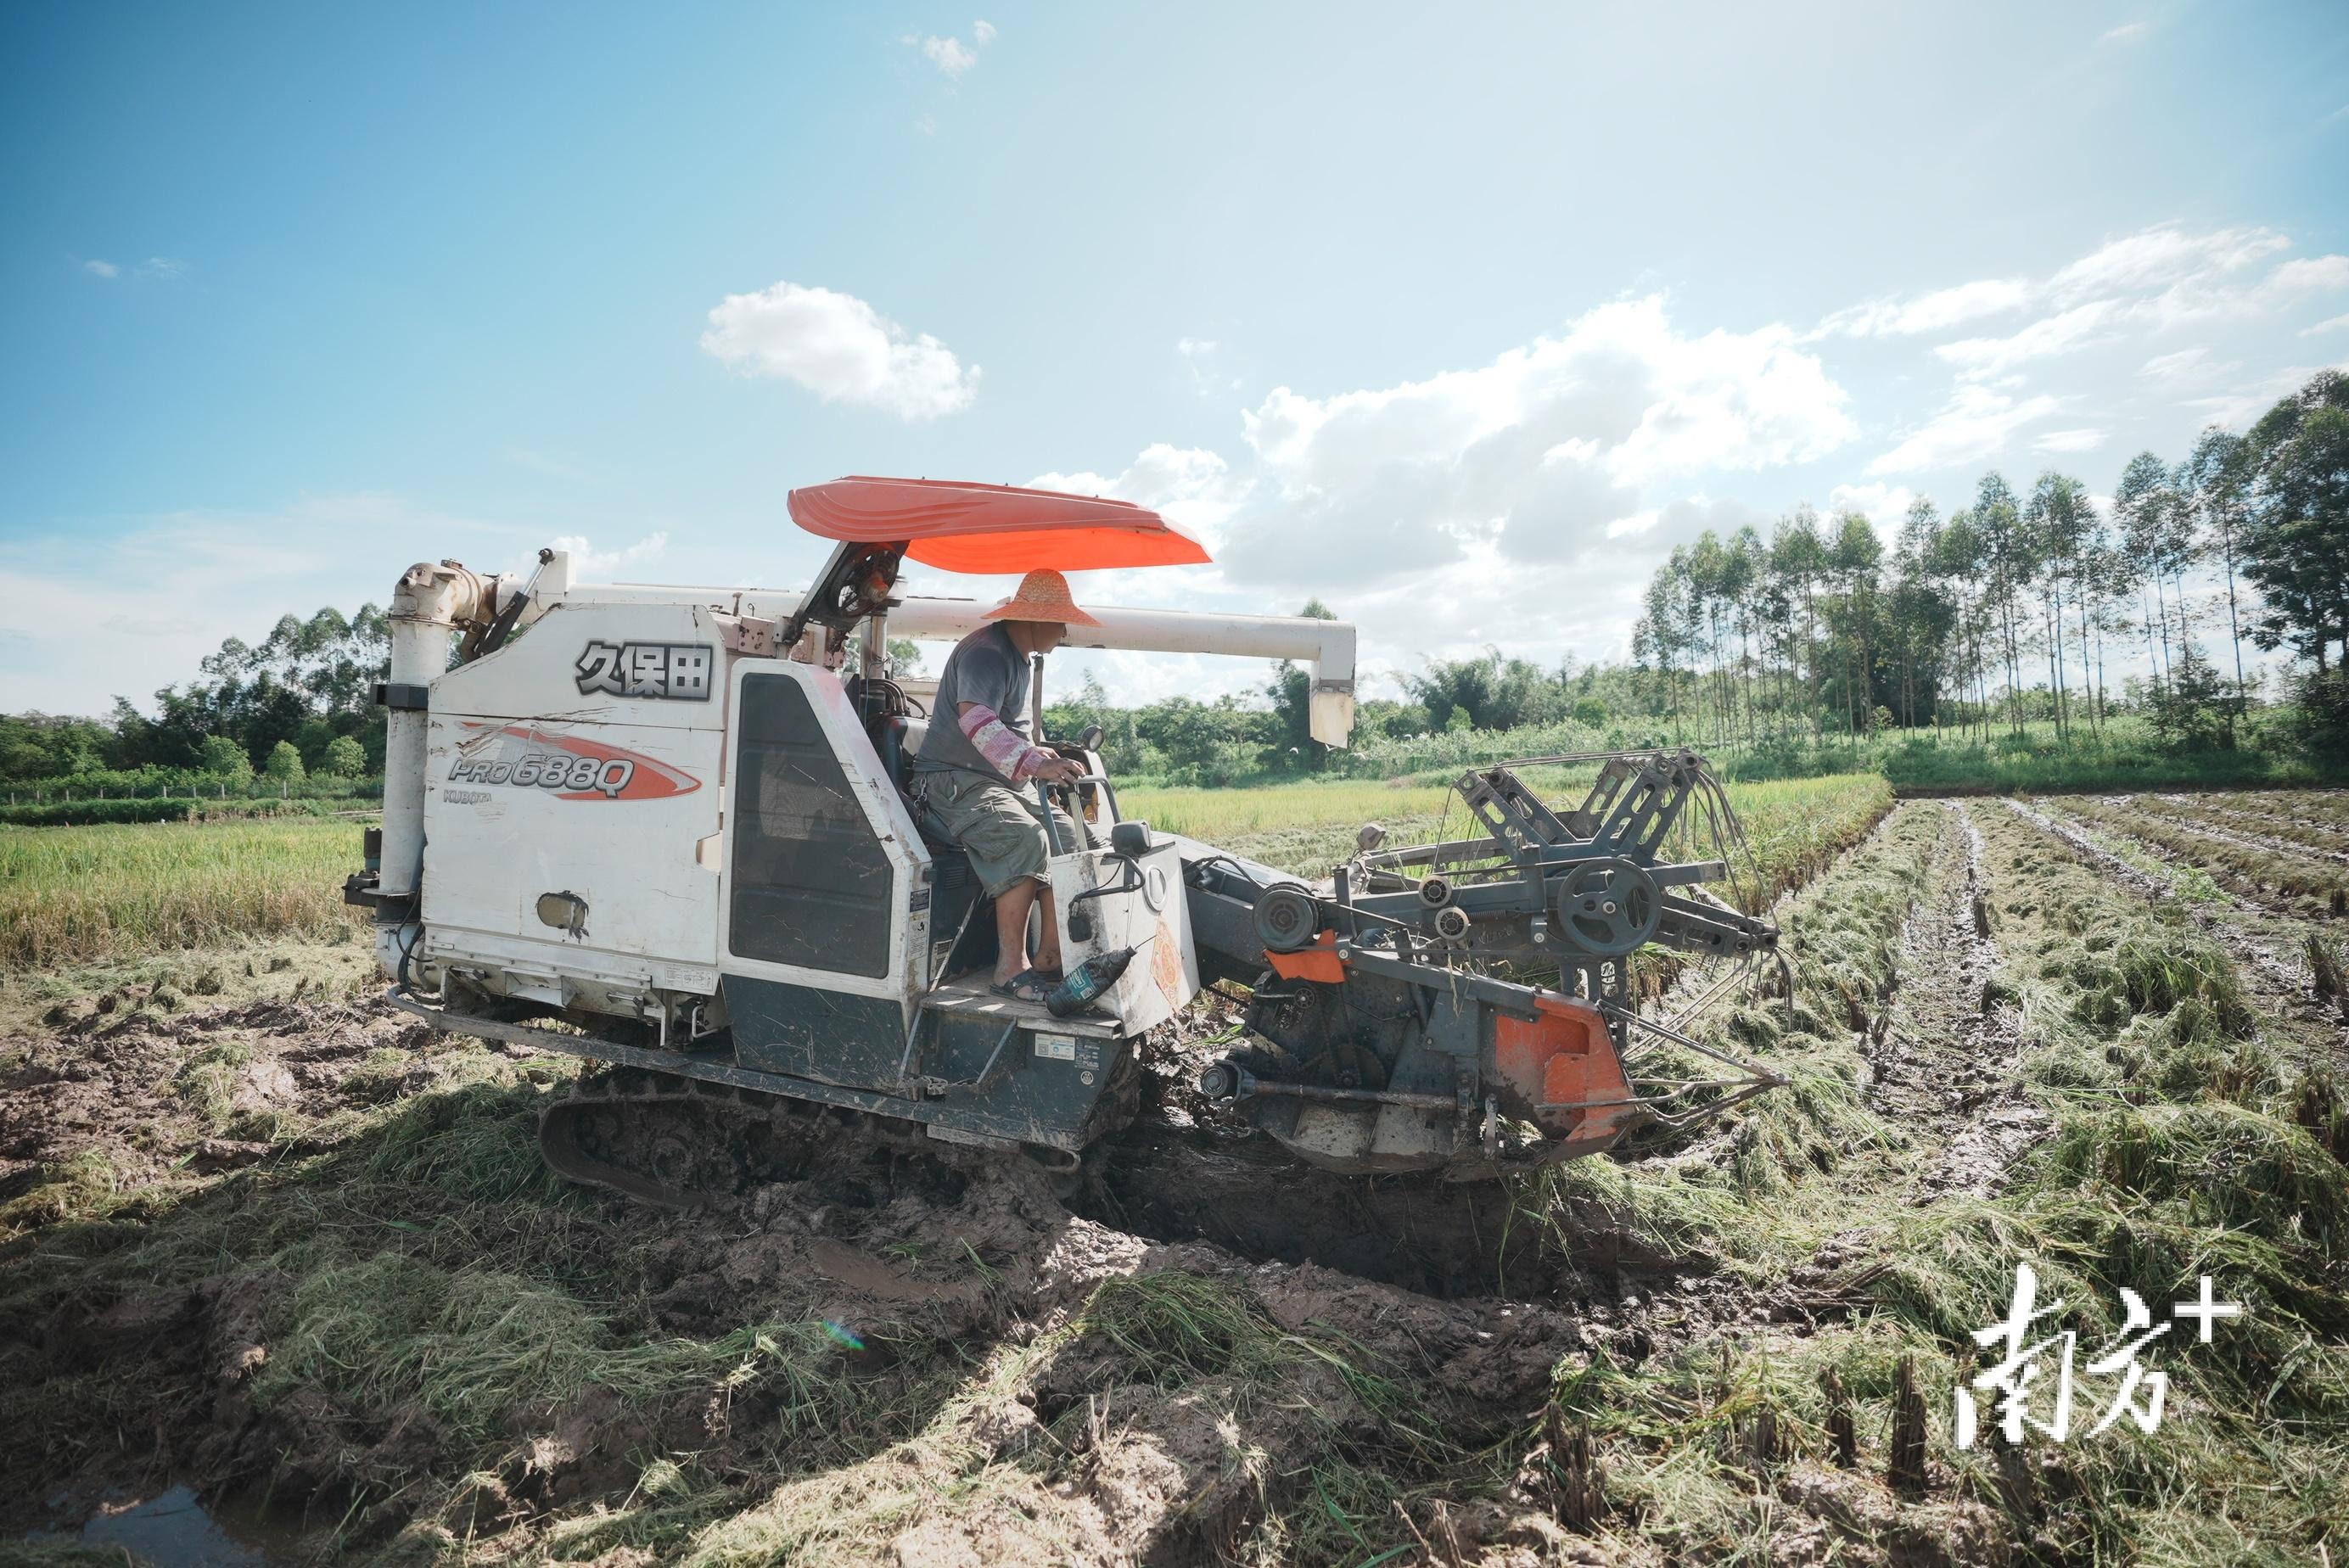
(1025, 986)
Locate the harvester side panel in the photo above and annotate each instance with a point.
(570, 778)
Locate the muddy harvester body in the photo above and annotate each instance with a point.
(676, 821)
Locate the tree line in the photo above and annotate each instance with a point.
(2025, 603)
(299, 702)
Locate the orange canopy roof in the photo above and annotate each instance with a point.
(959, 527)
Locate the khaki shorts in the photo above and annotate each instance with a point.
(1001, 832)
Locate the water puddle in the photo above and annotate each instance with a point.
(173, 1529)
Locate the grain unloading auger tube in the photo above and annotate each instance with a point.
(669, 831)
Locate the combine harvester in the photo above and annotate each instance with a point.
(676, 819)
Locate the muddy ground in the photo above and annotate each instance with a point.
(277, 1241)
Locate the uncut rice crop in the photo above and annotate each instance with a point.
(73, 894)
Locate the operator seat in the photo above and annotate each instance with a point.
(898, 739)
(954, 887)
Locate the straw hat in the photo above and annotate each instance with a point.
(1042, 596)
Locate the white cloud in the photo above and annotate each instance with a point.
(101, 269)
(1883, 505)
(1934, 312)
(1680, 519)
(2331, 326)
(1198, 356)
(2163, 255)
(589, 564)
(1983, 357)
(948, 54)
(952, 56)
(1974, 423)
(1533, 455)
(2123, 33)
(2307, 274)
(2162, 276)
(2202, 297)
(2248, 400)
(163, 267)
(2069, 441)
(840, 348)
(2185, 365)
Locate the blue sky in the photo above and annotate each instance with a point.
(1457, 317)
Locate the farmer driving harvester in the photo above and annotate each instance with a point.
(979, 775)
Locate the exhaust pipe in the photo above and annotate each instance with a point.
(432, 603)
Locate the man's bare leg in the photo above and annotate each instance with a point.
(1047, 950)
(1011, 907)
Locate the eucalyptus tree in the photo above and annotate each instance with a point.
(2158, 538)
(2216, 480)
(1773, 600)
(1960, 560)
(1708, 571)
(2059, 516)
(2006, 552)
(1742, 578)
(1799, 558)
(1854, 557)
(1662, 633)
(1920, 611)
(2104, 584)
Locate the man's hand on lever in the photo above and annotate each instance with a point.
(1061, 770)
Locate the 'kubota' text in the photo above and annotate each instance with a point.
(677, 671)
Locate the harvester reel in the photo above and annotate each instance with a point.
(1611, 906)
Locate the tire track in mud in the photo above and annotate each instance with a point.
(1948, 1062)
(2250, 933)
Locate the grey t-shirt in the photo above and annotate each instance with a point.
(984, 668)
